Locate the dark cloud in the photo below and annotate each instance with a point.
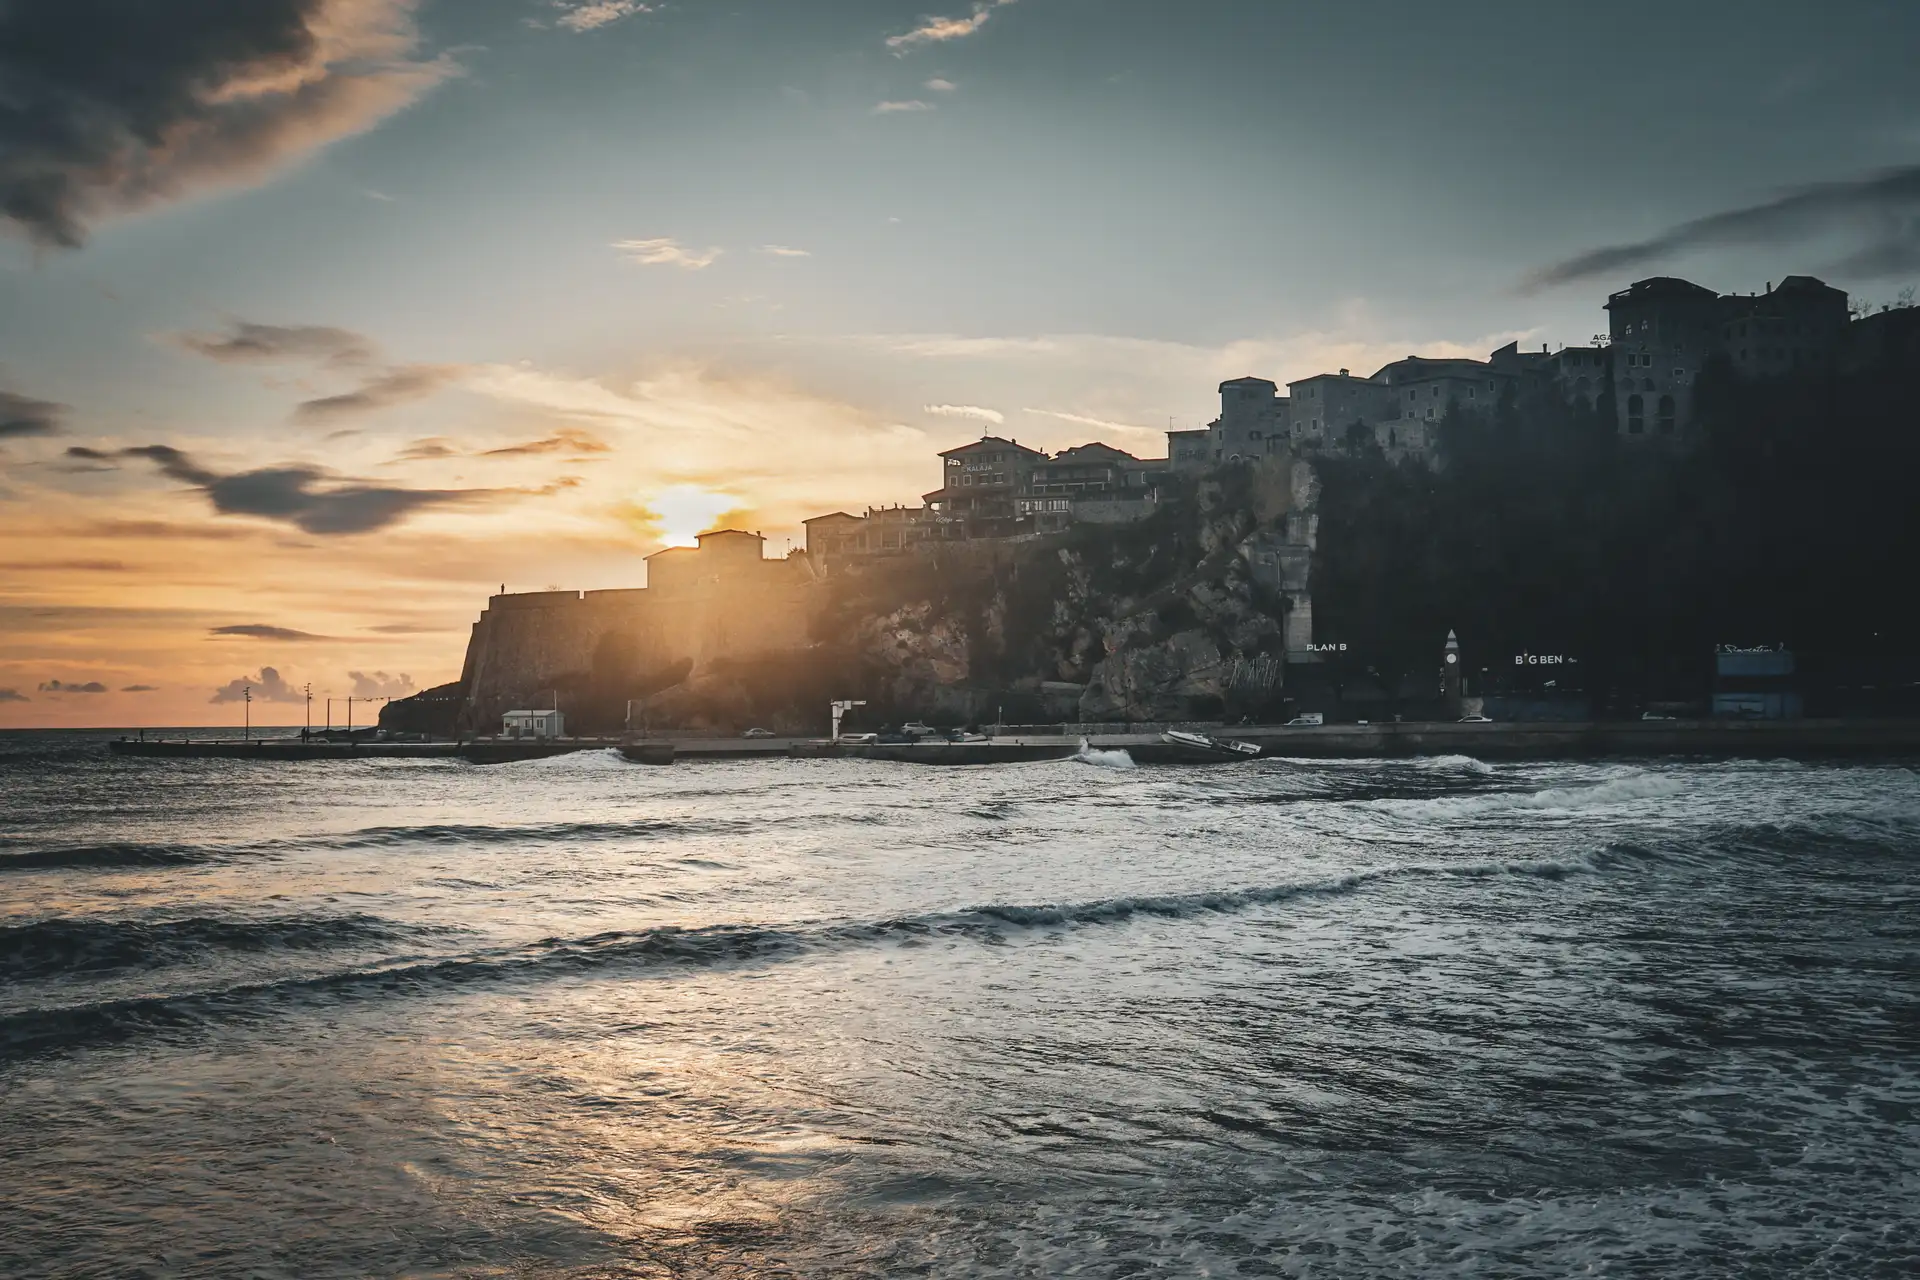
(396, 386)
(140, 688)
(565, 440)
(13, 695)
(378, 684)
(261, 631)
(305, 497)
(247, 342)
(23, 415)
(62, 686)
(265, 687)
(108, 106)
(1881, 212)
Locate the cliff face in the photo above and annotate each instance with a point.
(1185, 615)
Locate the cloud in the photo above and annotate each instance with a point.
(266, 687)
(140, 688)
(586, 15)
(933, 30)
(62, 686)
(63, 566)
(13, 695)
(1881, 213)
(22, 416)
(1099, 424)
(292, 494)
(783, 251)
(940, 84)
(890, 108)
(565, 440)
(249, 342)
(425, 450)
(114, 106)
(966, 411)
(378, 684)
(261, 631)
(396, 386)
(665, 251)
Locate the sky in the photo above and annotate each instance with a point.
(321, 320)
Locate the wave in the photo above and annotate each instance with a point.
(107, 855)
(476, 833)
(99, 945)
(36, 1032)
(1466, 764)
(1103, 759)
(1600, 795)
(126, 854)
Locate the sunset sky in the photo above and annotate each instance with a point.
(322, 319)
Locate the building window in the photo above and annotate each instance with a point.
(1666, 415)
(1636, 416)
(1646, 384)
(1679, 374)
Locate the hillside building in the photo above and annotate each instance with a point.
(980, 483)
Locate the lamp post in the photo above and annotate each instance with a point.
(246, 696)
(306, 727)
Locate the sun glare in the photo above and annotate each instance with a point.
(685, 511)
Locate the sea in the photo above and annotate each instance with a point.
(583, 1018)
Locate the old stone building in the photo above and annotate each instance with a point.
(1095, 479)
(1663, 331)
(980, 482)
(718, 600)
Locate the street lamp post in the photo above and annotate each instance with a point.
(246, 696)
(306, 727)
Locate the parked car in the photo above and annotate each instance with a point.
(859, 739)
(1307, 720)
(758, 733)
(1476, 719)
(1654, 715)
(914, 726)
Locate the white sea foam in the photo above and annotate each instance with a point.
(1613, 792)
(1463, 764)
(571, 761)
(1103, 759)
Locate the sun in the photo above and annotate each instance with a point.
(684, 511)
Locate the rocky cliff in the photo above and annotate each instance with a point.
(1187, 614)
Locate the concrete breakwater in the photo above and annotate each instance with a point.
(1762, 739)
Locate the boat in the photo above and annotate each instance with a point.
(1199, 748)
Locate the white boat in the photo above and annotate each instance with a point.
(1199, 747)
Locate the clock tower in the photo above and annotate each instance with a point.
(1450, 675)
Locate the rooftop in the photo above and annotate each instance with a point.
(990, 444)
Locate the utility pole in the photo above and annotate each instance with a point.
(349, 718)
(246, 695)
(307, 727)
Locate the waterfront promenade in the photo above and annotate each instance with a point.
(1761, 739)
